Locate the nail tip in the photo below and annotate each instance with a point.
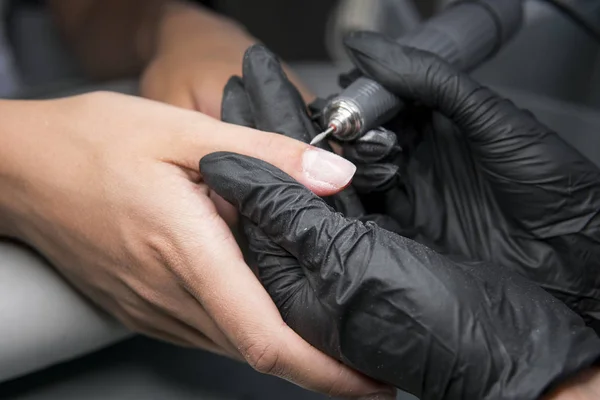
(327, 168)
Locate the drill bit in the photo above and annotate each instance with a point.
(321, 136)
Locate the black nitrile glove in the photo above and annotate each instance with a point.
(383, 304)
(394, 309)
(471, 174)
(263, 98)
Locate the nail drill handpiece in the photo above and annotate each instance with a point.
(466, 34)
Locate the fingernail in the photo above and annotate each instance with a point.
(326, 169)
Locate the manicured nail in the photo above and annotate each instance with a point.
(326, 169)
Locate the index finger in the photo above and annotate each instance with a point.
(321, 171)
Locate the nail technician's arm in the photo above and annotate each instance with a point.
(185, 52)
(107, 187)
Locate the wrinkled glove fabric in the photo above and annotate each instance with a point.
(264, 99)
(439, 324)
(391, 307)
(479, 177)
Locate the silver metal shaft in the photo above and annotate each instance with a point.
(466, 34)
(322, 136)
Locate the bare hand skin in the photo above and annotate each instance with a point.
(107, 187)
(196, 53)
(185, 53)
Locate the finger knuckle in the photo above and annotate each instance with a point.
(263, 356)
(337, 386)
(277, 144)
(268, 142)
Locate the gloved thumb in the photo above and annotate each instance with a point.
(235, 108)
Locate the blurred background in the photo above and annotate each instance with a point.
(552, 56)
(551, 68)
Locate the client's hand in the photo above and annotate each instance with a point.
(196, 52)
(107, 187)
(468, 173)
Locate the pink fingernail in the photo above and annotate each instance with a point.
(326, 169)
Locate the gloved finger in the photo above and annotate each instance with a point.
(347, 202)
(235, 107)
(347, 78)
(377, 145)
(383, 221)
(382, 153)
(531, 169)
(248, 182)
(374, 178)
(277, 106)
(374, 155)
(284, 279)
(275, 102)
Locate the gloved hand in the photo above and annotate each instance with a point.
(470, 174)
(435, 326)
(392, 308)
(265, 99)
